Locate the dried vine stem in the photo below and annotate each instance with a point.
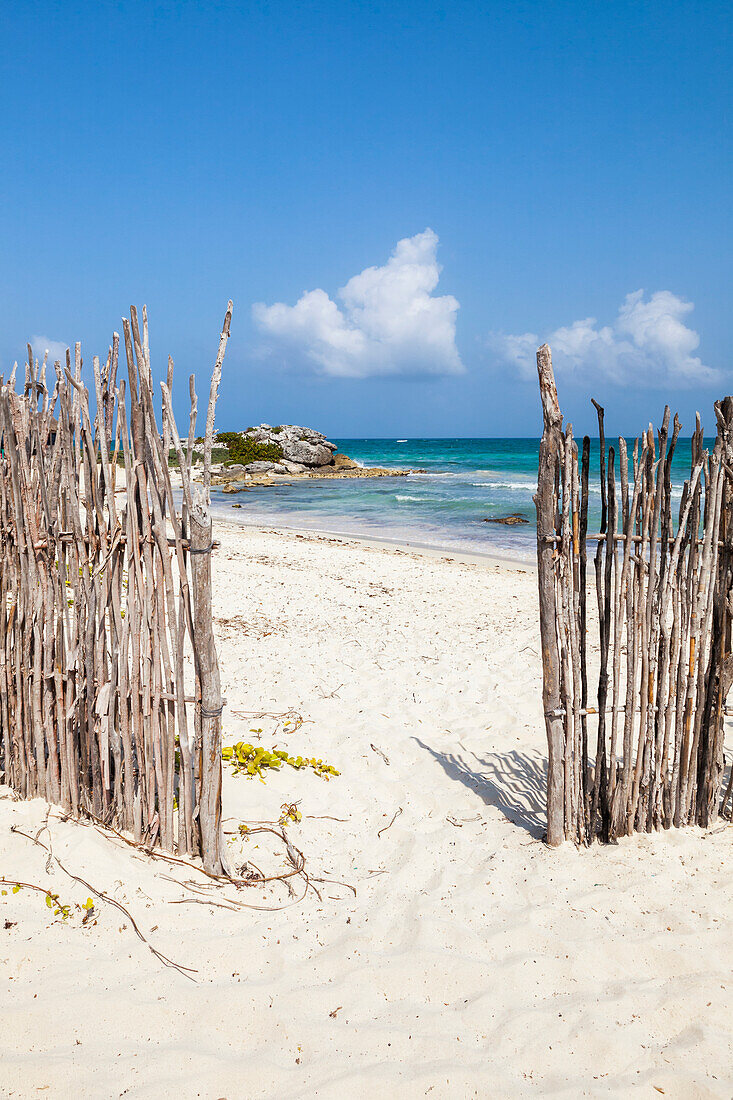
(187, 971)
(395, 815)
(295, 856)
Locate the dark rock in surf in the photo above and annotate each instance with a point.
(510, 521)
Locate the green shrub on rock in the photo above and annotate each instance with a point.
(243, 449)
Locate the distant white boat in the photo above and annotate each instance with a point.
(400, 441)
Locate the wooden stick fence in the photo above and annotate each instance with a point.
(105, 602)
(663, 585)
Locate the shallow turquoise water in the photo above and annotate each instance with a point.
(464, 482)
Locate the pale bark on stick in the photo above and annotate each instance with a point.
(546, 509)
(583, 569)
(577, 642)
(213, 395)
(210, 705)
(603, 592)
(624, 604)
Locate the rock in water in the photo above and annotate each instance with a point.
(343, 462)
(510, 521)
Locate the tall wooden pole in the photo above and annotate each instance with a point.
(546, 513)
(209, 704)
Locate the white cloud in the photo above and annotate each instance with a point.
(387, 322)
(648, 344)
(56, 349)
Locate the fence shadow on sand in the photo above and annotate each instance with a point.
(513, 782)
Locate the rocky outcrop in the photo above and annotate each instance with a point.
(293, 467)
(261, 468)
(300, 445)
(304, 453)
(240, 483)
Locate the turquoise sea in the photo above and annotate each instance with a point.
(464, 482)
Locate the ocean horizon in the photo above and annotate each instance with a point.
(457, 485)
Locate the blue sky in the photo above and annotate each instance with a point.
(539, 162)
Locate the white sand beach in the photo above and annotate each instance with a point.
(472, 960)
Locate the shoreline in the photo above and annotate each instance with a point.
(383, 542)
(220, 511)
(364, 518)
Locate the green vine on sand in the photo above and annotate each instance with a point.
(290, 814)
(247, 760)
(60, 908)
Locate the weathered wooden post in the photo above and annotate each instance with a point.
(208, 703)
(546, 504)
(720, 668)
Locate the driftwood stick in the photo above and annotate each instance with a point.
(210, 705)
(565, 566)
(213, 395)
(575, 644)
(582, 626)
(603, 593)
(546, 507)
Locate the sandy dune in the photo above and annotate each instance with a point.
(472, 961)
